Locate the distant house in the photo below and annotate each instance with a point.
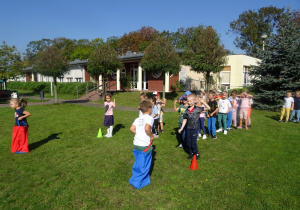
(234, 75)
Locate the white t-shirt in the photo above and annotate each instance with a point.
(288, 102)
(141, 138)
(223, 105)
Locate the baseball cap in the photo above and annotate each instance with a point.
(183, 97)
(188, 93)
(155, 93)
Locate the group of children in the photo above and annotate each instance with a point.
(193, 110)
(291, 104)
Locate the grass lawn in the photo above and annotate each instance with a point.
(25, 93)
(69, 168)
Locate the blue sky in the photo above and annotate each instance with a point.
(31, 20)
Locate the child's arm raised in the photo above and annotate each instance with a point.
(26, 114)
(175, 108)
(205, 104)
(148, 131)
(114, 103)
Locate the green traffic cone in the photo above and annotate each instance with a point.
(99, 133)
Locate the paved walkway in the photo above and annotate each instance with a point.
(79, 102)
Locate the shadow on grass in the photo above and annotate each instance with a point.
(37, 144)
(275, 117)
(178, 136)
(153, 159)
(117, 128)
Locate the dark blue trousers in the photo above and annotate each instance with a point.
(191, 141)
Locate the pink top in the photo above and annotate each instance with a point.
(108, 108)
(202, 114)
(244, 102)
(235, 103)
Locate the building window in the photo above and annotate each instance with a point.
(114, 75)
(246, 76)
(123, 72)
(225, 76)
(61, 79)
(69, 79)
(156, 74)
(78, 79)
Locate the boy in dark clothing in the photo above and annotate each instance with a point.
(212, 115)
(296, 110)
(190, 119)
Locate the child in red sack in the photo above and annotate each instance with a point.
(20, 130)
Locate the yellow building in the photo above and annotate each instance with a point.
(234, 75)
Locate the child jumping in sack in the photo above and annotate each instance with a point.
(142, 143)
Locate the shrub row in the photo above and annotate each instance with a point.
(65, 88)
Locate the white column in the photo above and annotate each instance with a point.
(167, 82)
(118, 79)
(32, 77)
(100, 81)
(139, 81)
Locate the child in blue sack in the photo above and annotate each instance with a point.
(142, 143)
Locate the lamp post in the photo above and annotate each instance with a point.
(264, 36)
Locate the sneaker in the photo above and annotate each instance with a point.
(199, 135)
(279, 120)
(240, 127)
(109, 136)
(229, 129)
(190, 156)
(225, 132)
(293, 120)
(246, 128)
(286, 121)
(204, 136)
(249, 126)
(180, 146)
(197, 157)
(214, 137)
(161, 131)
(297, 122)
(219, 130)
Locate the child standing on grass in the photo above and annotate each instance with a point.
(155, 117)
(20, 130)
(191, 118)
(201, 125)
(181, 109)
(287, 106)
(212, 115)
(234, 104)
(296, 110)
(142, 143)
(109, 117)
(244, 105)
(160, 104)
(224, 108)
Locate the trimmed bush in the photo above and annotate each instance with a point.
(64, 88)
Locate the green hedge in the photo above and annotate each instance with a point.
(65, 87)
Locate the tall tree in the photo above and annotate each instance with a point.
(161, 56)
(34, 47)
(137, 41)
(67, 46)
(252, 24)
(51, 62)
(279, 69)
(205, 53)
(103, 61)
(10, 62)
(113, 41)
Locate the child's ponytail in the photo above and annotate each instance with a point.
(23, 103)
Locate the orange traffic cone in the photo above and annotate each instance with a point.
(194, 164)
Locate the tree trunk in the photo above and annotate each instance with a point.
(104, 86)
(207, 78)
(55, 90)
(164, 88)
